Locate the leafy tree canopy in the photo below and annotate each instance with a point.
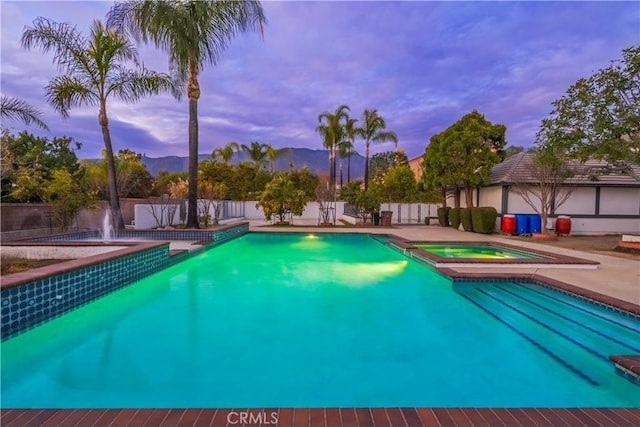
(464, 154)
(29, 161)
(599, 116)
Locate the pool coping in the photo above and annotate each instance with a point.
(326, 417)
(551, 259)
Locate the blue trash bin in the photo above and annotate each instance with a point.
(535, 224)
(522, 224)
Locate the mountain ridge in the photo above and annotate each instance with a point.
(317, 161)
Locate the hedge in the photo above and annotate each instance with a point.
(454, 218)
(443, 216)
(483, 219)
(465, 219)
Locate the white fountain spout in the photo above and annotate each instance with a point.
(106, 227)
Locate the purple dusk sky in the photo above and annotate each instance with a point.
(423, 65)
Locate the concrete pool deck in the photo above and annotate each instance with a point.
(615, 277)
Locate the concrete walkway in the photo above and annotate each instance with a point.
(615, 277)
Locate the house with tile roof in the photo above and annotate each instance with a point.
(599, 204)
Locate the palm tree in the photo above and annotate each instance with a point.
(351, 132)
(194, 33)
(94, 69)
(16, 109)
(257, 152)
(274, 154)
(345, 151)
(373, 130)
(225, 154)
(332, 130)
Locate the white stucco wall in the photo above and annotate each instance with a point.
(516, 204)
(491, 196)
(144, 219)
(582, 201)
(619, 201)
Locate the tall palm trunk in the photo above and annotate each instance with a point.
(193, 93)
(366, 166)
(114, 201)
(349, 166)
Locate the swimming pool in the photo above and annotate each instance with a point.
(295, 320)
(477, 251)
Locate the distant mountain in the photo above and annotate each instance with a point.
(316, 160)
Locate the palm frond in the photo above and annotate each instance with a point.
(65, 92)
(17, 109)
(131, 85)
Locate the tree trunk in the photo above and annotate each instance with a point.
(456, 197)
(444, 196)
(366, 166)
(468, 194)
(349, 167)
(114, 200)
(193, 92)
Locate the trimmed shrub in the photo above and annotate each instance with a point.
(454, 217)
(443, 216)
(483, 219)
(465, 219)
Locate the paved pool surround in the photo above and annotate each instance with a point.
(33, 297)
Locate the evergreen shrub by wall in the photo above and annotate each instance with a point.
(483, 219)
(454, 218)
(443, 216)
(465, 219)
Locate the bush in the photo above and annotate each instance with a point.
(443, 216)
(454, 218)
(483, 219)
(465, 219)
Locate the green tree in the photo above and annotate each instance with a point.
(365, 202)
(471, 147)
(93, 70)
(304, 180)
(347, 147)
(400, 185)
(29, 161)
(373, 130)
(194, 33)
(274, 154)
(132, 177)
(165, 179)
(257, 153)
(513, 150)
(332, 130)
(67, 194)
(17, 109)
(225, 154)
(281, 198)
(436, 176)
(599, 116)
(381, 163)
(251, 181)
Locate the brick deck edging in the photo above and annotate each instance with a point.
(325, 417)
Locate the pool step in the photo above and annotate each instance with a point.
(628, 367)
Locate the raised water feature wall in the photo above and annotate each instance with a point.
(33, 297)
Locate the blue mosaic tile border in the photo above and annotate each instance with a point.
(220, 235)
(132, 235)
(33, 303)
(226, 234)
(26, 306)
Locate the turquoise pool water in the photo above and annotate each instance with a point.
(272, 320)
(476, 251)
